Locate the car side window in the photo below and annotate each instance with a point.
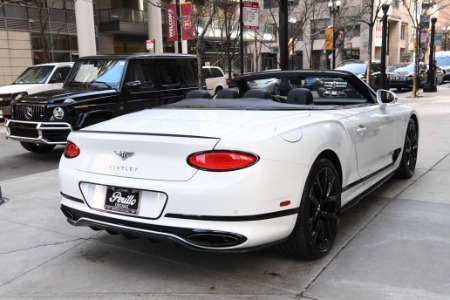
(60, 75)
(206, 73)
(168, 73)
(140, 70)
(334, 90)
(216, 72)
(148, 74)
(188, 71)
(135, 72)
(64, 71)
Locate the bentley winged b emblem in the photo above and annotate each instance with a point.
(124, 155)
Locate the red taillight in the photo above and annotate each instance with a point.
(71, 150)
(222, 160)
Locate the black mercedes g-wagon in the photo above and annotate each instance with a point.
(100, 88)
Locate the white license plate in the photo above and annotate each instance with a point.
(124, 200)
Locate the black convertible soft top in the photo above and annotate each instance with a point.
(297, 90)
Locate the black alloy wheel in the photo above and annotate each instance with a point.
(410, 150)
(318, 218)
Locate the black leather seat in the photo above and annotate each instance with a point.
(198, 94)
(300, 96)
(258, 93)
(227, 94)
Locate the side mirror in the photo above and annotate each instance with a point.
(385, 96)
(133, 85)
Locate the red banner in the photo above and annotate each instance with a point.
(187, 29)
(171, 19)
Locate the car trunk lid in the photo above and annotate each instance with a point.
(138, 155)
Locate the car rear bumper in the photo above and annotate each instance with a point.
(194, 234)
(401, 84)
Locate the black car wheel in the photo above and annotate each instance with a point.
(410, 149)
(318, 218)
(36, 147)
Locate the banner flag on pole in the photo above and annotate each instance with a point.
(187, 30)
(171, 19)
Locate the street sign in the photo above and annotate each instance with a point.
(150, 45)
(438, 39)
(329, 38)
(250, 16)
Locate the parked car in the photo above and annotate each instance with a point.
(214, 79)
(33, 80)
(270, 84)
(240, 173)
(312, 83)
(443, 61)
(402, 75)
(439, 75)
(359, 68)
(97, 89)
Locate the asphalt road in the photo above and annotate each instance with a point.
(392, 245)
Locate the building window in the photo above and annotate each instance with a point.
(404, 31)
(16, 12)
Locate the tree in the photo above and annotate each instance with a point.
(419, 14)
(228, 12)
(368, 12)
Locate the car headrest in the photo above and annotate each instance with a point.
(198, 94)
(300, 96)
(258, 93)
(227, 94)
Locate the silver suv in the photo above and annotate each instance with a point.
(214, 79)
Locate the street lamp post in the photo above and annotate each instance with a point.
(292, 22)
(334, 7)
(385, 8)
(283, 23)
(431, 86)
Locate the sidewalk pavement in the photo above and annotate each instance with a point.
(393, 245)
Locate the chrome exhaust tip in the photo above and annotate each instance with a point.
(215, 239)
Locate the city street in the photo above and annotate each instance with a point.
(395, 244)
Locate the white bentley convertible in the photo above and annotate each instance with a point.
(245, 169)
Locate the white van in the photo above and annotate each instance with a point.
(214, 79)
(35, 79)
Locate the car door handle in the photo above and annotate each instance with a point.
(361, 129)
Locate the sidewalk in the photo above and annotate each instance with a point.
(393, 245)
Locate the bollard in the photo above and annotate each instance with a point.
(2, 200)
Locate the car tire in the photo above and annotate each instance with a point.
(318, 217)
(410, 149)
(218, 89)
(36, 147)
